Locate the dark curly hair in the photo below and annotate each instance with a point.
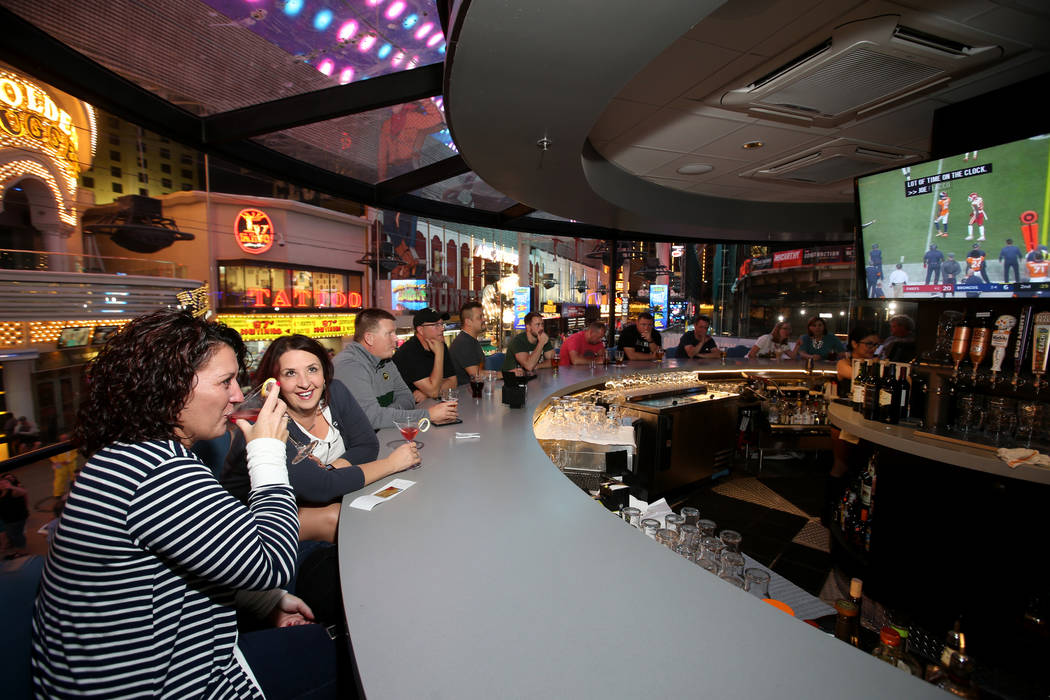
(143, 376)
(269, 365)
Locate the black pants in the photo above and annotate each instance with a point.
(935, 272)
(1011, 265)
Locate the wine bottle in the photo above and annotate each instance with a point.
(889, 411)
(871, 394)
(918, 388)
(857, 392)
(903, 396)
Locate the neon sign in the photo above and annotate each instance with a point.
(253, 231)
(31, 120)
(29, 111)
(301, 299)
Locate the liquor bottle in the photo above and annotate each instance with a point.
(867, 498)
(957, 681)
(890, 650)
(857, 390)
(856, 593)
(902, 399)
(860, 527)
(889, 410)
(847, 622)
(955, 642)
(871, 393)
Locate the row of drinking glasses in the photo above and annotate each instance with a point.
(1003, 421)
(693, 537)
(653, 380)
(587, 418)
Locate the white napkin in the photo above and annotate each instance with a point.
(1020, 455)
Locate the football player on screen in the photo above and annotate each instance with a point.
(940, 221)
(977, 216)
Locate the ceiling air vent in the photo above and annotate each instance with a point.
(841, 159)
(865, 66)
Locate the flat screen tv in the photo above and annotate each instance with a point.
(969, 225)
(76, 337)
(408, 295)
(102, 334)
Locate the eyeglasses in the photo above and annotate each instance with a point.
(433, 324)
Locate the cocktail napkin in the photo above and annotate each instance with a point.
(381, 495)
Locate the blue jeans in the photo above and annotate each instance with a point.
(294, 662)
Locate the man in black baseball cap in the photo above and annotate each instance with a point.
(423, 360)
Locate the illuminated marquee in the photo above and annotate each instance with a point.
(32, 121)
(253, 231)
(301, 299)
(29, 111)
(258, 327)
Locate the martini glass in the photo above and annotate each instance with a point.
(302, 451)
(249, 408)
(409, 429)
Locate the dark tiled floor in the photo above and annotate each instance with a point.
(770, 511)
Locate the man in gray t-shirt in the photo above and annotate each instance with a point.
(465, 350)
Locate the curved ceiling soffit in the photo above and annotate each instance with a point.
(547, 70)
(716, 217)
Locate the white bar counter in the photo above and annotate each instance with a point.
(494, 576)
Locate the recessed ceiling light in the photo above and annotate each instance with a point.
(695, 169)
(753, 144)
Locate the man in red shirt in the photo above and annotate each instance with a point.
(583, 346)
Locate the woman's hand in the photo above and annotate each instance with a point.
(291, 611)
(271, 423)
(402, 458)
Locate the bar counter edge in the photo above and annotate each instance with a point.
(494, 575)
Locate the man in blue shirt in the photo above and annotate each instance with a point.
(932, 262)
(1010, 257)
(872, 276)
(876, 257)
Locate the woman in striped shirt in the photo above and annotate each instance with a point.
(151, 555)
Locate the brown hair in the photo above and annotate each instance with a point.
(270, 364)
(143, 376)
(368, 320)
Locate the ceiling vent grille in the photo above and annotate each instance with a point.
(865, 66)
(841, 159)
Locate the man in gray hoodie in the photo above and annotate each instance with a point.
(364, 366)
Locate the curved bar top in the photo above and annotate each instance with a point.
(903, 439)
(495, 576)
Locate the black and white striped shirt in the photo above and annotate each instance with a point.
(137, 594)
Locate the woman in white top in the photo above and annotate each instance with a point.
(775, 344)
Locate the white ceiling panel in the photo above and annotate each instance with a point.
(620, 116)
(673, 130)
(670, 74)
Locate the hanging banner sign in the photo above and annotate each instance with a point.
(522, 306)
(658, 305)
